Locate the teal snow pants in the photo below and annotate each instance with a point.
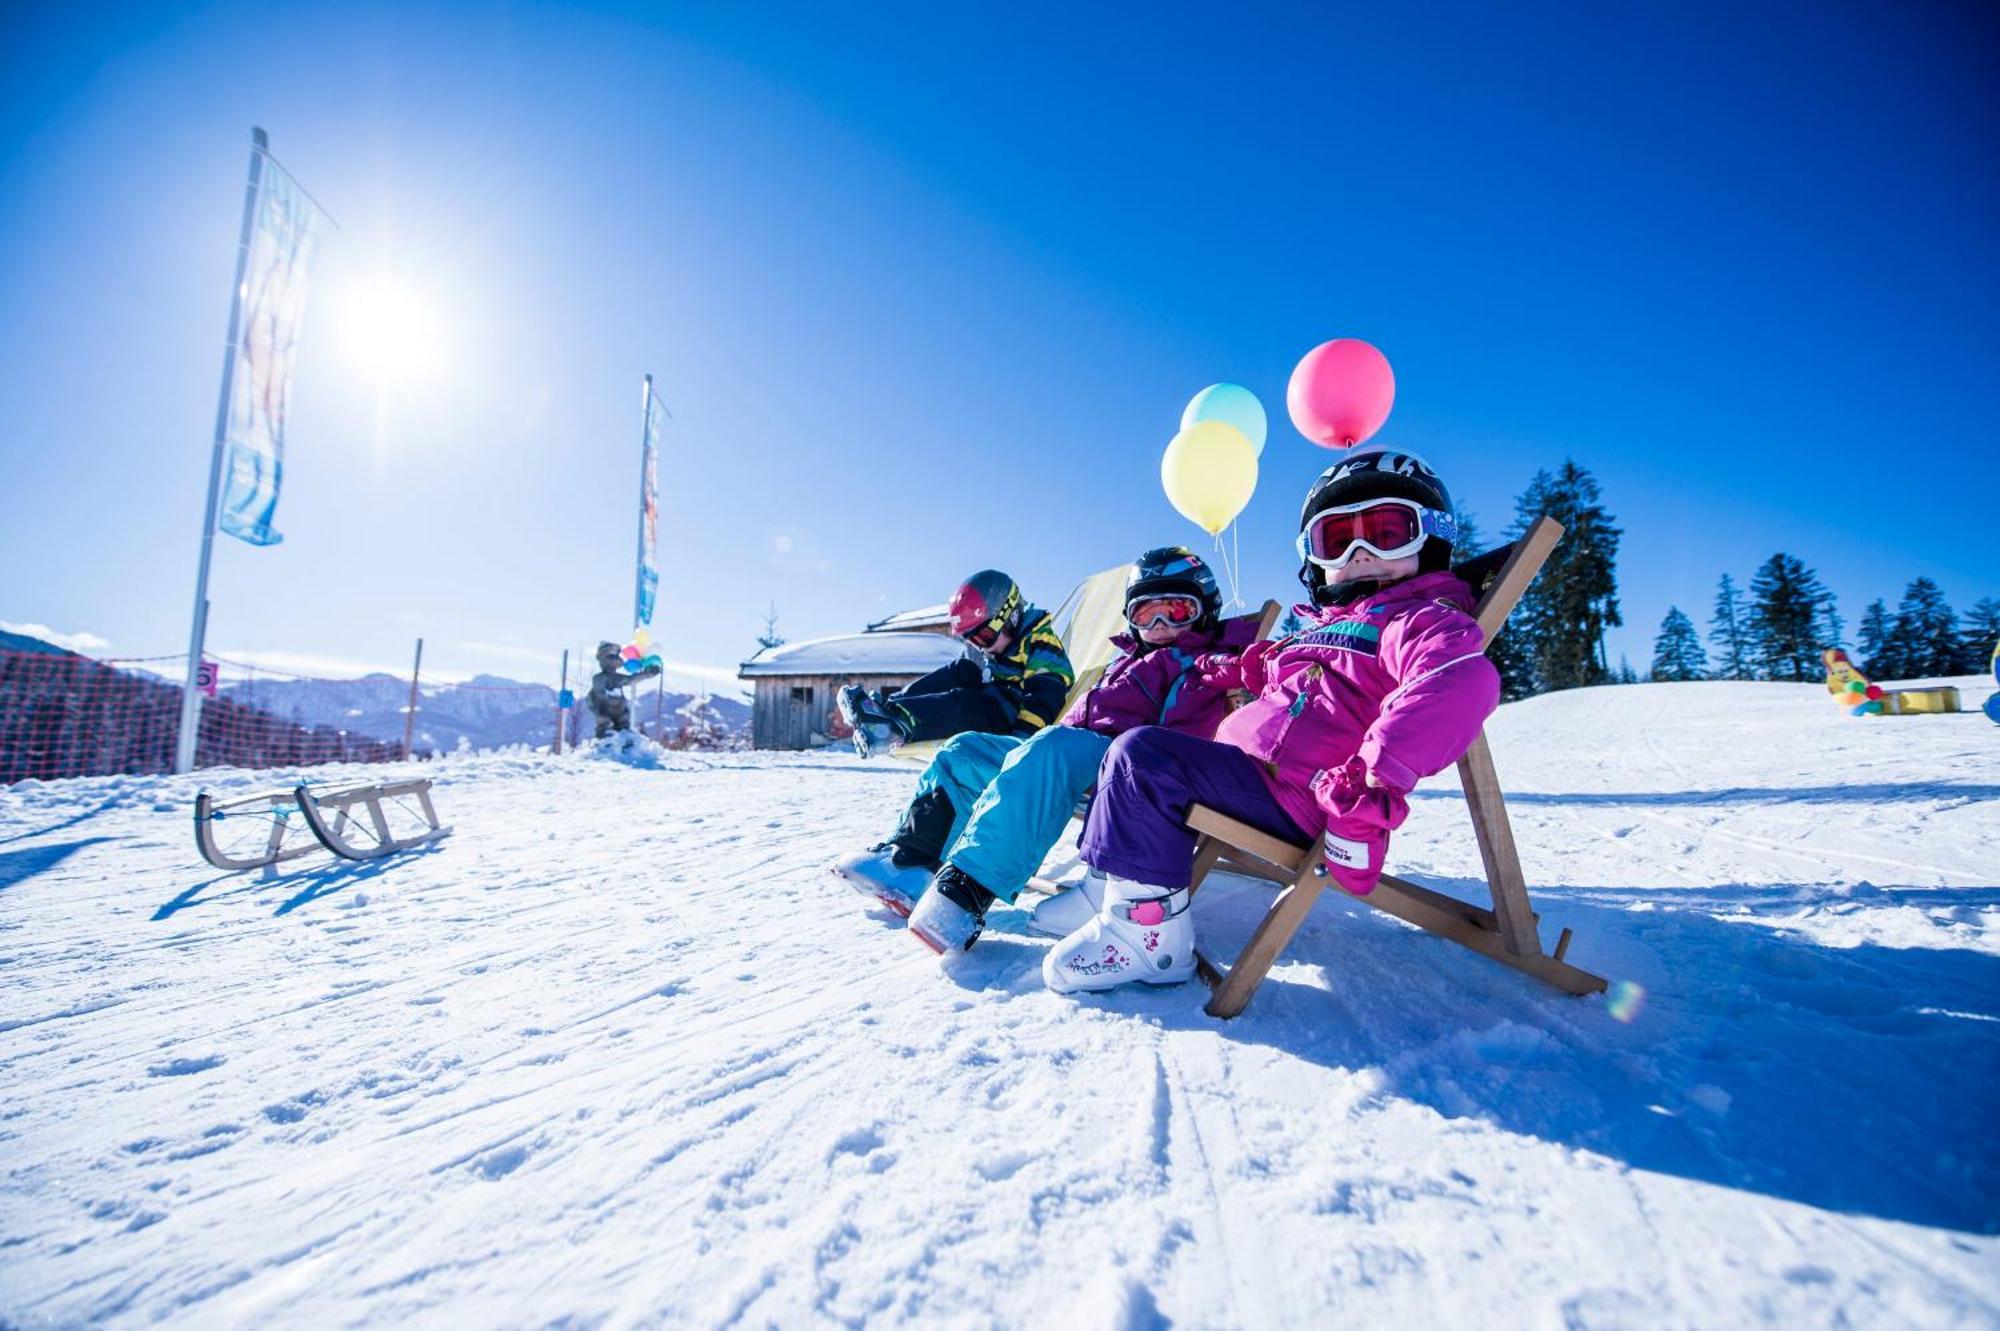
(1011, 798)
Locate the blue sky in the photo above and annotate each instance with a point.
(927, 290)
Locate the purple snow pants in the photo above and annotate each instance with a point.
(1137, 827)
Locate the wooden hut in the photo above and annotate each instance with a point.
(796, 682)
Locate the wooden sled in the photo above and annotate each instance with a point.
(294, 813)
(1507, 932)
(378, 839)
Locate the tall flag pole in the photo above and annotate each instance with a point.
(649, 507)
(273, 253)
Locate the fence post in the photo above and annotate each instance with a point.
(659, 701)
(562, 712)
(410, 716)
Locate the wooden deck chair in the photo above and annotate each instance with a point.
(1507, 933)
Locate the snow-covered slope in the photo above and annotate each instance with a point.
(621, 1053)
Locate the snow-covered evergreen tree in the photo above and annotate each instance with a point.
(1677, 652)
(701, 726)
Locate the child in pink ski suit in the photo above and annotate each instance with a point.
(1387, 683)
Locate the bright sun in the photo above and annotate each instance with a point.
(391, 333)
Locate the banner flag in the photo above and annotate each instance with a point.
(274, 298)
(649, 512)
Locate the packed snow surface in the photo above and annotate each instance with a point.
(622, 1053)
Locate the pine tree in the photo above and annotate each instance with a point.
(1290, 624)
(1470, 540)
(1874, 641)
(1626, 674)
(1832, 629)
(770, 637)
(1512, 650)
(1785, 601)
(1677, 652)
(1725, 630)
(1925, 633)
(1977, 637)
(1565, 612)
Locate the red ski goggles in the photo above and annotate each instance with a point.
(1178, 611)
(983, 636)
(1386, 528)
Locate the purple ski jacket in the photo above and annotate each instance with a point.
(1357, 707)
(1164, 685)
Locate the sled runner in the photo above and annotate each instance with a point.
(1507, 932)
(292, 813)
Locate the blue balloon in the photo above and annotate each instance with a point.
(1232, 404)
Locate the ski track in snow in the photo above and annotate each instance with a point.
(621, 1052)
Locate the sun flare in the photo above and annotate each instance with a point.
(392, 333)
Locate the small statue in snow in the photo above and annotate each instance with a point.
(607, 689)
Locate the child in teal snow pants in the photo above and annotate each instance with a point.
(989, 807)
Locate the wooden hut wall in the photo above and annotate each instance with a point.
(790, 710)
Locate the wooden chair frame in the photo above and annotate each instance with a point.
(1507, 932)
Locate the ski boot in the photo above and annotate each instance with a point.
(1067, 911)
(951, 913)
(888, 873)
(1140, 933)
(878, 724)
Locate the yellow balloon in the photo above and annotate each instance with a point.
(1209, 472)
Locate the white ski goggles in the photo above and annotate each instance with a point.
(1386, 528)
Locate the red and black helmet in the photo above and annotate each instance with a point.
(986, 605)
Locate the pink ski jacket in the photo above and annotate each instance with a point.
(1357, 707)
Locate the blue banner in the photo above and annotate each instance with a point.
(273, 299)
(649, 513)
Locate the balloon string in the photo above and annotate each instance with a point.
(1236, 558)
(1228, 571)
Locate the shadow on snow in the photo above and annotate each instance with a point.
(1854, 1079)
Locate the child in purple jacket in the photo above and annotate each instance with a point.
(988, 807)
(1387, 683)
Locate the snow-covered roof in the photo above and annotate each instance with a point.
(924, 617)
(856, 654)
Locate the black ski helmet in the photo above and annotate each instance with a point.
(1175, 570)
(1380, 473)
(989, 598)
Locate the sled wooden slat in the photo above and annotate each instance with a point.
(1507, 933)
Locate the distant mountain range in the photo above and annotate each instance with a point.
(485, 712)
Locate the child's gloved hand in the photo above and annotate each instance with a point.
(1222, 671)
(1256, 663)
(1359, 817)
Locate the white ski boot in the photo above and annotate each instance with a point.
(1067, 911)
(952, 912)
(1140, 933)
(885, 873)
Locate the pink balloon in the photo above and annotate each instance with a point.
(1341, 392)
